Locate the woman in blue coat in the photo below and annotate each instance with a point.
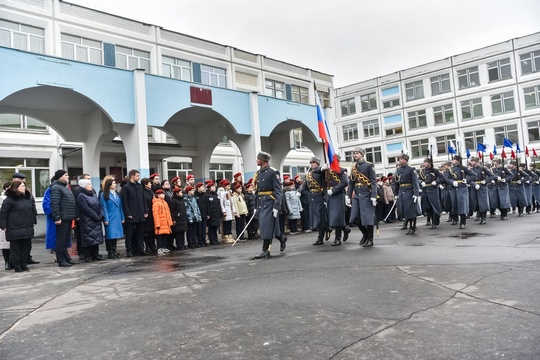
(113, 217)
(50, 231)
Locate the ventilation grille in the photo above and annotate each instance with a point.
(246, 79)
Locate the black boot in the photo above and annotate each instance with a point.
(364, 235)
(428, 222)
(369, 236)
(404, 227)
(283, 242)
(8, 266)
(462, 222)
(265, 250)
(337, 239)
(115, 251)
(320, 237)
(346, 232)
(327, 234)
(412, 228)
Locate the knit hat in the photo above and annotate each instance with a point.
(285, 177)
(209, 183)
(189, 177)
(224, 182)
(159, 191)
(237, 186)
(153, 176)
(177, 190)
(188, 188)
(238, 174)
(84, 182)
(59, 173)
(198, 185)
(174, 179)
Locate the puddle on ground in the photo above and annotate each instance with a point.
(467, 235)
(167, 263)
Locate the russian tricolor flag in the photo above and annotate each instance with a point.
(324, 134)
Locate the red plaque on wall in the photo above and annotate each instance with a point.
(201, 96)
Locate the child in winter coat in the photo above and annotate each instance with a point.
(294, 206)
(227, 209)
(214, 213)
(162, 220)
(241, 209)
(193, 215)
(179, 217)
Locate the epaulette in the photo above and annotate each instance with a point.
(273, 168)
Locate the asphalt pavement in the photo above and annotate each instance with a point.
(438, 294)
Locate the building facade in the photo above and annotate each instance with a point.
(482, 96)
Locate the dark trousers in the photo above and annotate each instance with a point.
(180, 239)
(282, 220)
(192, 233)
(134, 237)
(293, 227)
(197, 235)
(392, 216)
(6, 255)
(240, 224)
(63, 234)
(161, 241)
(304, 215)
(19, 252)
(212, 235)
(253, 226)
(202, 230)
(227, 227)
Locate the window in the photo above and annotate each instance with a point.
(325, 99)
(417, 119)
(298, 139)
(374, 154)
(176, 68)
(350, 132)
(390, 103)
(348, 107)
(443, 114)
(82, 49)
(532, 96)
(21, 122)
(221, 171)
(181, 169)
(420, 148)
(371, 128)
(414, 90)
(510, 132)
(471, 109)
(468, 77)
(442, 143)
(302, 170)
(393, 159)
(22, 37)
(300, 94)
(440, 84)
(394, 131)
(36, 171)
(131, 59)
(214, 76)
(274, 88)
(530, 62)
(499, 70)
(286, 171)
(503, 103)
(349, 156)
(472, 138)
(534, 130)
(369, 102)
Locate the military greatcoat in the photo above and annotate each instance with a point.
(517, 188)
(500, 198)
(459, 195)
(480, 197)
(337, 182)
(363, 181)
(268, 192)
(316, 185)
(430, 179)
(406, 186)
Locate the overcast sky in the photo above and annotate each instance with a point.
(353, 40)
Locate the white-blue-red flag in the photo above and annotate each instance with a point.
(324, 134)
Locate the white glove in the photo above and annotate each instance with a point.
(464, 181)
(298, 194)
(503, 180)
(396, 197)
(483, 182)
(275, 212)
(324, 167)
(527, 182)
(374, 201)
(537, 181)
(347, 201)
(518, 182)
(254, 211)
(423, 184)
(414, 198)
(441, 187)
(455, 184)
(329, 192)
(477, 186)
(493, 181)
(499, 178)
(433, 183)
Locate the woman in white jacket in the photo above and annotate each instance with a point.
(227, 209)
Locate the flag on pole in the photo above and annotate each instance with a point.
(503, 154)
(491, 156)
(433, 146)
(324, 134)
(460, 144)
(480, 155)
(517, 148)
(526, 151)
(534, 152)
(480, 147)
(467, 152)
(512, 153)
(494, 150)
(451, 147)
(507, 143)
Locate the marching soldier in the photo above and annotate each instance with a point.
(479, 191)
(459, 177)
(337, 183)
(533, 177)
(316, 184)
(535, 187)
(446, 203)
(501, 194)
(517, 190)
(430, 180)
(268, 199)
(363, 181)
(406, 188)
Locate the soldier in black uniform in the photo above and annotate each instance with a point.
(316, 185)
(406, 188)
(430, 180)
(517, 189)
(363, 181)
(268, 191)
(337, 182)
(478, 191)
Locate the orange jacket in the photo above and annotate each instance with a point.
(162, 217)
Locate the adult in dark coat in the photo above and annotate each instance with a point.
(363, 181)
(214, 213)
(304, 200)
(446, 203)
(407, 190)
(535, 187)
(316, 185)
(430, 180)
(251, 200)
(335, 201)
(501, 194)
(148, 228)
(179, 218)
(518, 198)
(18, 216)
(202, 202)
(529, 184)
(136, 211)
(90, 217)
(268, 188)
(63, 211)
(459, 177)
(478, 190)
